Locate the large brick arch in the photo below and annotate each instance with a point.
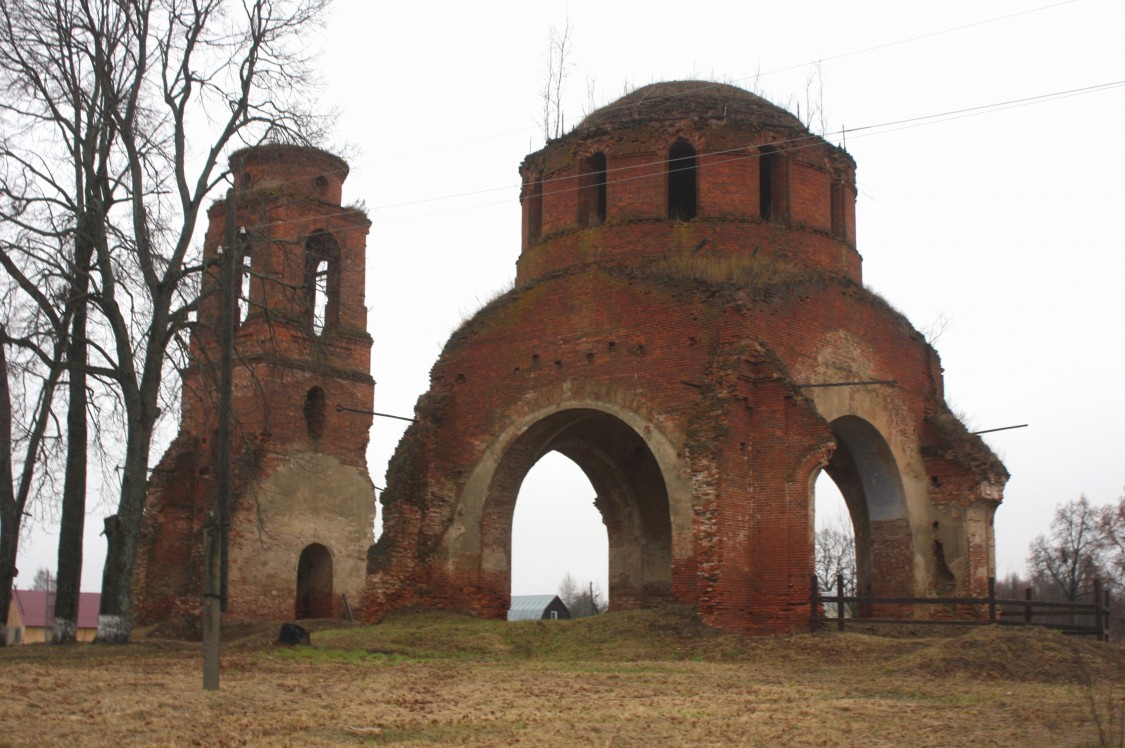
(642, 494)
(701, 364)
(867, 474)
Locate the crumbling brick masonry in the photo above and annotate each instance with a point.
(303, 504)
(690, 327)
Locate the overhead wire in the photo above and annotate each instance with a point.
(843, 55)
(801, 142)
(704, 86)
(919, 37)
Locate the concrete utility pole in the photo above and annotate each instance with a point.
(212, 616)
(230, 264)
(216, 543)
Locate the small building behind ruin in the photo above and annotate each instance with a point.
(538, 608)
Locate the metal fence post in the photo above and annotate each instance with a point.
(1099, 612)
(814, 603)
(992, 599)
(840, 602)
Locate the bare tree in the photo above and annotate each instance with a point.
(568, 589)
(937, 327)
(1066, 560)
(835, 555)
(44, 581)
(1013, 586)
(27, 393)
(582, 600)
(1111, 536)
(162, 88)
(558, 65)
(57, 193)
(815, 115)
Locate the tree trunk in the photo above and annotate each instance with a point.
(9, 535)
(9, 509)
(14, 493)
(121, 530)
(69, 570)
(114, 623)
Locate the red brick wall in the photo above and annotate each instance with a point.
(699, 376)
(706, 365)
(728, 217)
(284, 195)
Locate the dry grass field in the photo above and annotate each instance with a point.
(639, 678)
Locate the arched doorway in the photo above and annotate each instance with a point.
(834, 540)
(630, 493)
(558, 532)
(314, 582)
(866, 473)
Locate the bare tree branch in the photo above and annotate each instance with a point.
(119, 95)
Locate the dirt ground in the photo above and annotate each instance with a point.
(618, 680)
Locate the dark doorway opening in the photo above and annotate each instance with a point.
(682, 192)
(314, 583)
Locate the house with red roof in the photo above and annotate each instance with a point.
(31, 616)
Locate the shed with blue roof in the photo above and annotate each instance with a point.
(537, 608)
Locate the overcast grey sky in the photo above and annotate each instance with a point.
(1005, 221)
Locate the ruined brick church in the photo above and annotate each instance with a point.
(688, 325)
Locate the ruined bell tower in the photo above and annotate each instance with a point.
(302, 500)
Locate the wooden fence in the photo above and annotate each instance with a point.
(1085, 619)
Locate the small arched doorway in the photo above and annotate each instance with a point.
(630, 494)
(867, 475)
(314, 582)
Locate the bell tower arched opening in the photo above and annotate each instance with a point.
(630, 495)
(314, 583)
(322, 282)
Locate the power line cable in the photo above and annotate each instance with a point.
(706, 86)
(843, 55)
(791, 144)
(932, 34)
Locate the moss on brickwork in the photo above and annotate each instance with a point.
(947, 438)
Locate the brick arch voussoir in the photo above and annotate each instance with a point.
(461, 546)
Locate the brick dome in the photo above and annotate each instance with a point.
(673, 170)
(299, 170)
(677, 100)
